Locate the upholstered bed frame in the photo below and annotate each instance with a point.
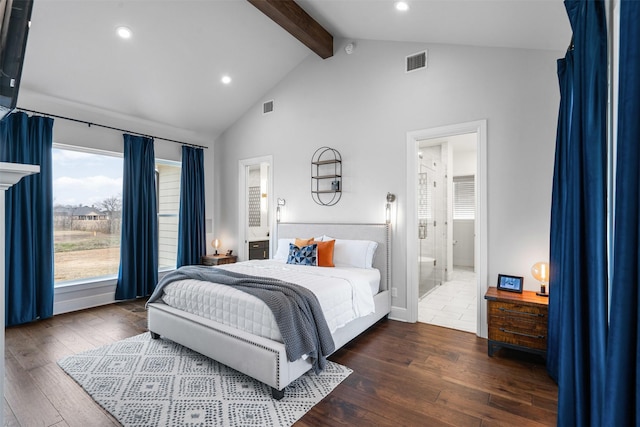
(262, 358)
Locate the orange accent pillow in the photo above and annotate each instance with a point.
(325, 253)
(303, 242)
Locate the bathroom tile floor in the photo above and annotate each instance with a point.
(453, 304)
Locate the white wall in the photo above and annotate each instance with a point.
(464, 163)
(364, 104)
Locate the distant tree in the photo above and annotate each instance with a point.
(112, 206)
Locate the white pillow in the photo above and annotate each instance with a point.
(353, 253)
(282, 251)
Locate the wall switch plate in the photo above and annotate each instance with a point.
(394, 292)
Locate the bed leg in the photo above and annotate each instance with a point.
(277, 394)
(154, 335)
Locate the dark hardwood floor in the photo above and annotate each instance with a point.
(404, 375)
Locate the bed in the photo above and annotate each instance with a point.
(260, 357)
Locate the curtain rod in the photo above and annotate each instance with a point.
(110, 127)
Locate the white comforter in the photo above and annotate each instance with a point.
(344, 295)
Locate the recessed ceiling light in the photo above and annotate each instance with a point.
(226, 80)
(402, 6)
(124, 32)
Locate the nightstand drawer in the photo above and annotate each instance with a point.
(502, 308)
(262, 244)
(518, 331)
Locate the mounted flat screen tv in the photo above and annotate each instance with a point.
(14, 28)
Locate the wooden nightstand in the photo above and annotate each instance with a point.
(517, 321)
(218, 259)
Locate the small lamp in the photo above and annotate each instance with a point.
(540, 271)
(216, 244)
(281, 203)
(387, 210)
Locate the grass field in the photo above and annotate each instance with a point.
(81, 254)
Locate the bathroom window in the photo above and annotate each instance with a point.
(464, 197)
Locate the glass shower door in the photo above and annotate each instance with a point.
(427, 236)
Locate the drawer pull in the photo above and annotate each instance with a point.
(255, 246)
(507, 331)
(520, 312)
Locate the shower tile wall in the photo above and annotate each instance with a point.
(432, 209)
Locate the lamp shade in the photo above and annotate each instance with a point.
(540, 271)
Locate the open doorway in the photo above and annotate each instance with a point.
(446, 231)
(255, 208)
(431, 228)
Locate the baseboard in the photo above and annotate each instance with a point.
(75, 303)
(399, 313)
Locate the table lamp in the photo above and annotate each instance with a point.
(540, 271)
(216, 244)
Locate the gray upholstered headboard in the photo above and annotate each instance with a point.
(376, 232)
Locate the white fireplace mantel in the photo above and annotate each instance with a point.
(10, 174)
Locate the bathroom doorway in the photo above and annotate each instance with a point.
(447, 225)
(446, 232)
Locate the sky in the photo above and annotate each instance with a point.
(85, 178)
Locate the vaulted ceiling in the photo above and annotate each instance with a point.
(170, 70)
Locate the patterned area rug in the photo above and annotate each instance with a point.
(146, 382)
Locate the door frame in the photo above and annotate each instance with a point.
(243, 203)
(481, 246)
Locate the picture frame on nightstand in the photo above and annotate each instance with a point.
(510, 283)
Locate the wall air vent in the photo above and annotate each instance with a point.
(267, 107)
(417, 61)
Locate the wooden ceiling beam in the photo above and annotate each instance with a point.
(290, 16)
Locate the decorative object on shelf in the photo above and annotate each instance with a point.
(326, 176)
(510, 283)
(280, 208)
(540, 271)
(216, 244)
(387, 210)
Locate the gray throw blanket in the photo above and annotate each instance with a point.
(296, 309)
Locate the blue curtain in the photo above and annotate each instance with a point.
(623, 351)
(191, 228)
(578, 257)
(138, 272)
(28, 219)
(559, 209)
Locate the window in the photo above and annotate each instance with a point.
(87, 203)
(168, 198)
(87, 200)
(464, 197)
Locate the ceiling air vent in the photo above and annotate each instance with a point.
(417, 61)
(267, 107)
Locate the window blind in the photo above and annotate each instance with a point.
(464, 197)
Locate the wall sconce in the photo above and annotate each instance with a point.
(279, 208)
(387, 211)
(216, 244)
(540, 271)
